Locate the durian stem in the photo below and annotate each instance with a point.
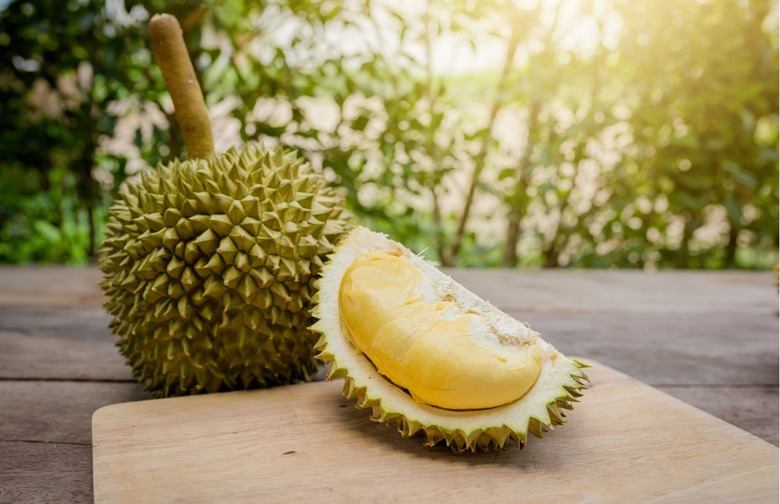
(191, 113)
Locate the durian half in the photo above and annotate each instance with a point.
(428, 356)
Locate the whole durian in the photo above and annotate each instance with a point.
(428, 356)
(209, 268)
(209, 264)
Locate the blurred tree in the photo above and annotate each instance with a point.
(701, 81)
(646, 139)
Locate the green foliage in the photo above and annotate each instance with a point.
(649, 141)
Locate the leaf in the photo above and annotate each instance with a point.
(506, 173)
(739, 174)
(685, 201)
(47, 231)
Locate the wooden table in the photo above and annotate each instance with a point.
(708, 338)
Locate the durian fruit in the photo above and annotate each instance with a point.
(209, 268)
(431, 358)
(209, 264)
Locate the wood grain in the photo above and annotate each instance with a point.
(752, 408)
(58, 342)
(45, 473)
(669, 349)
(50, 286)
(709, 338)
(616, 291)
(57, 412)
(626, 442)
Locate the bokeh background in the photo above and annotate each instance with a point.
(592, 133)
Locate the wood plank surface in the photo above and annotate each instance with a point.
(752, 408)
(626, 442)
(672, 349)
(59, 342)
(709, 338)
(55, 411)
(617, 291)
(45, 473)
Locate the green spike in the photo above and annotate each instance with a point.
(189, 208)
(227, 250)
(160, 284)
(191, 252)
(175, 267)
(171, 217)
(154, 221)
(271, 221)
(242, 262)
(185, 310)
(256, 256)
(247, 288)
(241, 238)
(251, 206)
(251, 225)
(215, 264)
(228, 186)
(235, 212)
(221, 224)
(207, 242)
(232, 276)
(170, 239)
(204, 201)
(241, 191)
(281, 295)
(222, 201)
(262, 276)
(189, 280)
(175, 290)
(214, 287)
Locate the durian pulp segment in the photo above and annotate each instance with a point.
(557, 385)
(440, 350)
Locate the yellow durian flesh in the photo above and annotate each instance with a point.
(427, 342)
(557, 386)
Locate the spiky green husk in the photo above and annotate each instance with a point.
(209, 268)
(540, 409)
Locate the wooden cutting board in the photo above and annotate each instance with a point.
(625, 442)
